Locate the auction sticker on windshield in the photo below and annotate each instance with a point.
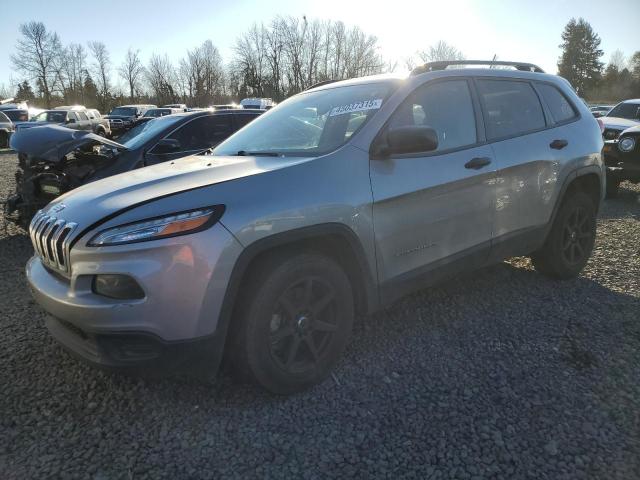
(357, 107)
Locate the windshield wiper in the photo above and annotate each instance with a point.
(244, 153)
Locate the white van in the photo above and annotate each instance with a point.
(260, 103)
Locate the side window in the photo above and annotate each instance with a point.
(243, 118)
(561, 109)
(72, 116)
(203, 132)
(82, 116)
(511, 108)
(444, 106)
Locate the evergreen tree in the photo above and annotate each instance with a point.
(25, 93)
(579, 62)
(90, 91)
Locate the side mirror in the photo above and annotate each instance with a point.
(409, 139)
(71, 120)
(167, 145)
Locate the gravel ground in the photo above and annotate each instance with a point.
(501, 374)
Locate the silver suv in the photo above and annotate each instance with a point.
(335, 203)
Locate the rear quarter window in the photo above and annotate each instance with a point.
(510, 108)
(561, 109)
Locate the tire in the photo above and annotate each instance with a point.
(570, 241)
(4, 139)
(293, 323)
(613, 185)
(101, 132)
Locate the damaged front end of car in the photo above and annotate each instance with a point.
(53, 160)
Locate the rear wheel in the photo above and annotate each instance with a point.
(294, 322)
(571, 239)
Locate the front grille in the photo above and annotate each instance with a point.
(50, 237)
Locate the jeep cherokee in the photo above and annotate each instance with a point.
(336, 202)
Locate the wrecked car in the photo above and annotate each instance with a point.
(55, 159)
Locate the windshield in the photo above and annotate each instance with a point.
(140, 134)
(630, 111)
(54, 116)
(309, 124)
(17, 115)
(124, 111)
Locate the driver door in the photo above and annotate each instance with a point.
(433, 211)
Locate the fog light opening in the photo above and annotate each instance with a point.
(120, 287)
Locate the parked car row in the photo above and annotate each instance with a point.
(74, 117)
(336, 202)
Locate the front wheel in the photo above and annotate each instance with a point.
(570, 241)
(294, 322)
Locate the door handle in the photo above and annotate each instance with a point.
(477, 163)
(558, 144)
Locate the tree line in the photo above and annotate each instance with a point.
(580, 63)
(276, 59)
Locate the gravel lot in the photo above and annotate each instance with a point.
(501, 374)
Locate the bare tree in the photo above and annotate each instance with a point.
(201, 75)
(618, 60)
(70, 73)
(36, 56)
(439, 52)
(162, 79)
(101, 66)
(250, 60)
(132, 71)
(291, 54)
(5, 92)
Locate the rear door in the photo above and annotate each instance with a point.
(517, 129)
(435, 208)
(84, 122)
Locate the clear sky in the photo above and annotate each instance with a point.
(514, 30)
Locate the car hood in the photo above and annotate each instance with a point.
(632, 130)
(24, 125)
(618, 123)
(50, 143)
(112, 194)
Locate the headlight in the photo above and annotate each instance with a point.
(173, 225)
(626, 144)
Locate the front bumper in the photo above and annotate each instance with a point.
(134, 352)
(184, 280)
(622, 166)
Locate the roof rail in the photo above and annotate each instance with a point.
(319, 84)
(442, 65)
